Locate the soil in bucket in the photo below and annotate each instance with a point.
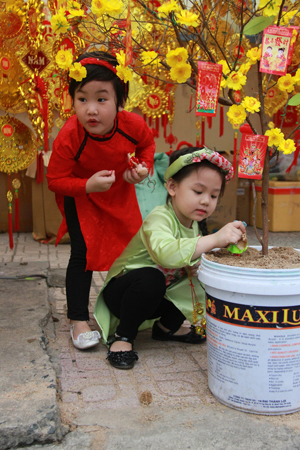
(278, 258)
(253, 329)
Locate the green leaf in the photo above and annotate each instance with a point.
(258, 24)
(295, 100)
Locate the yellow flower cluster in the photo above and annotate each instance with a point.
(254, 54)
(74, 8)
(276, 138)
(236, 80)
(59, 23)
(271, 7)
(251, 104)
(236, 115)
(167, 7)
(151, 58)
(124, 73)
(188, 18)
(180, 69)
(64, 59)
(110, 7)
(77, 71)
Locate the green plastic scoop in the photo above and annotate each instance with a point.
(240, 246)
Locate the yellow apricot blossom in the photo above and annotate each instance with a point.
(224, 64)
(177, 56)
(287, 146)
(167, 7)
(276, 137)
(77, 71)
(114, 7)
(124, 73)
(271, 7)
(254, 54)
(150, 57)
(64, 59)
(288, 16)
(59, 23)
(251, 104)
(236, 114)
(188, 18)
(181, 72)
(74, 8)
(286, 83)
(236, 80)
(297, 77)
(244, 69)
(99, 7)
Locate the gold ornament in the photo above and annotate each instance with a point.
(12, 22)
(39, 61)
(10, 75)
(17, 145)
(198, 124)
(34, 23)
(16, 183)
(155, 102)
(9, 196)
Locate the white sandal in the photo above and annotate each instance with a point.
(85, 340)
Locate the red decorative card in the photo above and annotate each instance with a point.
(275, 50)
(208, 86)
(252, 156)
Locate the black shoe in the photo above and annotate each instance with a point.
(192, 337)
(122, 360)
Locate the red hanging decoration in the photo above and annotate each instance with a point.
(203, 131)
(150, 121)
(171, 139)
(10, 227)
(16, 185)
(164, 123)
(157, 125)
(294, 162)
(197, 140)
(209, 121)
(234, 153)
(221, 120)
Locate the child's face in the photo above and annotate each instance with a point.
(196, 196)
(95, 106)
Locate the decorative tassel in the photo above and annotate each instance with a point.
(145, 117)
(203, 131)
(209, 121)
(197, 309)
(197, 140)
(16, 183)
(157, 125)
(221, 120)
(10, 226)
(164, 123)
(150, 121)
(234, 153)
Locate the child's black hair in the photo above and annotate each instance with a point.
(187, 170)
(101, 73)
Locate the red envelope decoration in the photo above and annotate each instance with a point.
(275, 50)
(252, 156)
(208, 87)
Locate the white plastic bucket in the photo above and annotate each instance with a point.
(253, 337)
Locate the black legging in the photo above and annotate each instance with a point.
(137, 296)
(78, 280)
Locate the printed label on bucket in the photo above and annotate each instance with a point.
(254, 356)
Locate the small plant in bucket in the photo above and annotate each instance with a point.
(240, 246)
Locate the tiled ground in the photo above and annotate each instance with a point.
(174, 373)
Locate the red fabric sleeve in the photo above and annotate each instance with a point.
(59, 173)
(146, 147)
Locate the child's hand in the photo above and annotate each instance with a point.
(193, 270)
(137, 174)
(100, 181)
(230, 234)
